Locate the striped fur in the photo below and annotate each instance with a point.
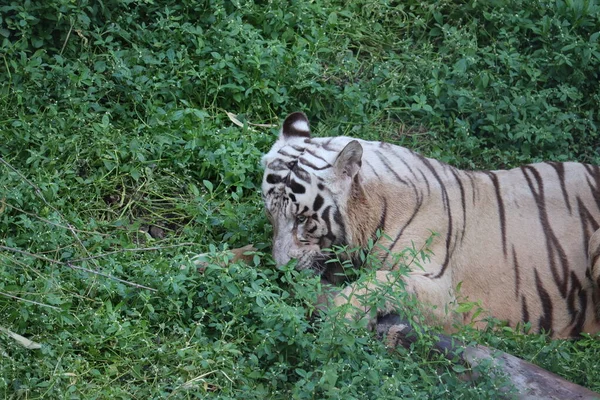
(525, 242)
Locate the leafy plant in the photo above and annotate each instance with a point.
(119, 162)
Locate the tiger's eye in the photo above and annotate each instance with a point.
(301, 219)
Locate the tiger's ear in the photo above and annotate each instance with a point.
(295, 124)
(349, 161)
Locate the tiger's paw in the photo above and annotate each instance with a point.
(357, 308)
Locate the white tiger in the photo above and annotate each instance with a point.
(525, 242)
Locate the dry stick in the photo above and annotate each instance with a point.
(110, 277)
(73, 232)
(16, 171)
(4, 203)
(22, 340)
(133, 250)
(28, 301)
(91, 271)
(41, 196)
(67, 38)
(530, 381)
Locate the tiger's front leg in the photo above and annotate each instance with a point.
(435, 298)
(359, 298)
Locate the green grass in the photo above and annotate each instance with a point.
(119, 158)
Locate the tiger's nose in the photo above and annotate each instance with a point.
(281, 259)
(284, 252)
(281, 252)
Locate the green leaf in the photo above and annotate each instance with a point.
(232, 288)
(461, 66)
(135, 174)
(332, 19)
(465, 307)
(194, 189)
(459, 369)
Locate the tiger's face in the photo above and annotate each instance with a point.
(302, 221)
(305, 189)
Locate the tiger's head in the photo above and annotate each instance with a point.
(306, 188)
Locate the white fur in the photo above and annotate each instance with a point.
(512, 240)
(301, 126)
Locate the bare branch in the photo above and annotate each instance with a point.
(4, 203)
(66, 264)
(531, 381)
(110, 277)
(22, 340)
(41, 196)
(67, 38)
(134, 250)
(28, 301)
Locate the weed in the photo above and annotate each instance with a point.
(119, 162)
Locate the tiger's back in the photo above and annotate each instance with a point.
(523, 244)
(516, 240)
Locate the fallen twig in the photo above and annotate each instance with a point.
(531, 381)
(5, 204)
(38, 192)
(137, 249)
(67, 264)
(22, 340)
(27, 301)
(233, 118)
